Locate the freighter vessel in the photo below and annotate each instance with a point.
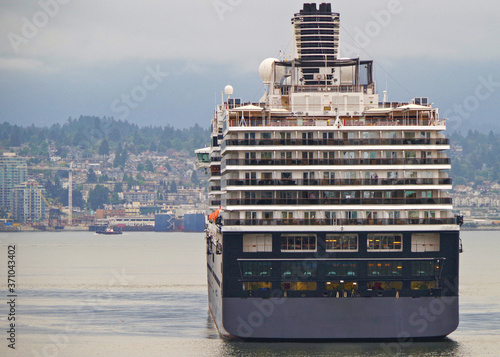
(329, 214)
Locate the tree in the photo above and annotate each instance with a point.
(115, 199)
(194, 178)
(173, 187)
(98, 197)
(119, 186)
(104, 148)
(149, 166)
(91, 176)
(78, 200)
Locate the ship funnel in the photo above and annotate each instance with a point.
(316, 39)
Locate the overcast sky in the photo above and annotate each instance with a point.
(165, 62)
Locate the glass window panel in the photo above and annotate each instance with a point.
(384, 285)
(423, 285)
(260, 286)
(347, 242)
(385, 268)
(292, 243)
(299, 286)
(385, 241)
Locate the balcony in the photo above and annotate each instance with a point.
(336, 201)
(333, 142)
(338, 222)
(332, 162)
(340, 182)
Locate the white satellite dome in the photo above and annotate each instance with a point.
(266, 69)
(228, 90)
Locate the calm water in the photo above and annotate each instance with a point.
(144, 294)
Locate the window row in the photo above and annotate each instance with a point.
(352, 174)
(310, 268)
(283, 196)
(344, 286)
(338, 135)
(333, 217)
(337, 154)
(347, 242)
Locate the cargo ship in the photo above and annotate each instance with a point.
(330, 218)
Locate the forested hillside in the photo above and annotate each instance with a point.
(93, 134)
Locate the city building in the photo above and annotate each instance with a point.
(28, 204)
(13, 171)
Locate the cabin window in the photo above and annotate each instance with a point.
(342, 242)
(256, 269)
(384, 285)
(410, 194)
(257, 243)
(341, 268)
(413, 214)
(257, 285)
(265, 135)
(385, 242)
(369, 154)
(348, 154)
(298, 243)
(424, 268)
(302, 270)
(385, 268)
(368, 135)
(426, 194)
(266, 155)
(425, 242)
(340, 285)
(351, 214)
(299, 286)
(423, 285)
(266, 175)
(430, 214)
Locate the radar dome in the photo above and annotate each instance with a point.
(228, 90)
(266, 69)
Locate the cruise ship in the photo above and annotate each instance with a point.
(329, 217)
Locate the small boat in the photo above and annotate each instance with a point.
(109, 230)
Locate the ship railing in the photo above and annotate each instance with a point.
(338, 182)
(336, 201)
(344, 88)
(286, 122)
(334, 142)
(326, 162)
(338, 221)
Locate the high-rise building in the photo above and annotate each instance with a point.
(27, 202)
(13, 171)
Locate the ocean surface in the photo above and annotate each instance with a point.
(144, 294)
